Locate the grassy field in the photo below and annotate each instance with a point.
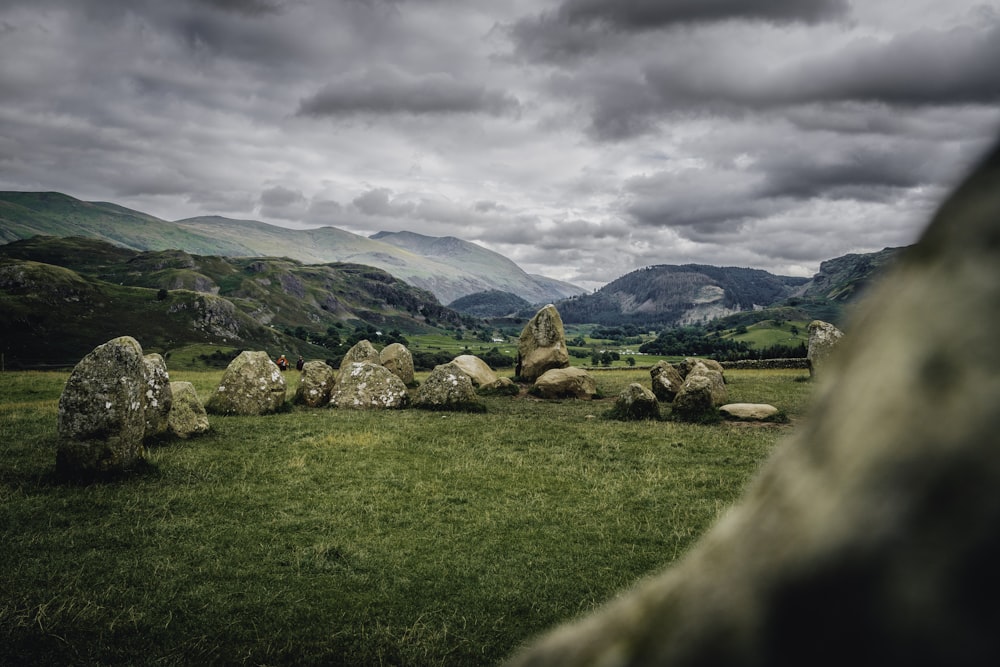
(355, 538)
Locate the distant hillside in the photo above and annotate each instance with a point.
(491, 304)
(845, 278)
(667, 295)
(503, 274)
(60, 297)
(26, 214)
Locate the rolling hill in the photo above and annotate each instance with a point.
(447, 276)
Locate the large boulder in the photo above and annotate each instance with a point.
(823, 340)
(158, 396)
(542, 345)
(634, 403)
(102, 416)
(362, 351)
(251, 385)
(368, 386)
(566, 383)
(873, 534)
(398, 359)
(702, 393)
(478, 370)
(316, 383)
(448, 387)
(666, 381)
(685, 366)
(751, 412)
(187, 416)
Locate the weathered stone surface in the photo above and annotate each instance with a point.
(448, 387)
(566, 383)
(251, 385)
(748, 411)
(635, 402)
(684, 367)
(101, 417)
(823, 340)
(368, 386)
(478, 370)
(873, 533)
(187, 416)
(702, 392)
(316, 383)
(363, 351)
(157, 396)
(666, 381)
(542, 345)
(398, 359)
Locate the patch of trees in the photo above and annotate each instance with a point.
(695, 341)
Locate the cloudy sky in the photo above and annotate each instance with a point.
(581, 138)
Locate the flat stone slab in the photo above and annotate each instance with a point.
(748, 411)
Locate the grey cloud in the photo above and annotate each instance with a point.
(283, 203)
(391, 91)
(378, 202)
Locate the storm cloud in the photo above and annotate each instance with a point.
(581, 138)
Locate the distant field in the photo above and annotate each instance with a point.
(356, 538)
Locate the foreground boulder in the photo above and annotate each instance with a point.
(187, 416)
(158, 396)
(872, 535)
(823, 340)
(362, 351)
(251, 385)
(316, 383)
(634, 403)
(542, 345)
(448, 387)
(368, 386)
(102, 417)
(666, 381)
(398, 359)
(566, 383)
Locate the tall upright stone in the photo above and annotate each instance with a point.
(823, 340)
(398, 359)
(187, 414)
(542, 345)
(158, 396)
(101, 417)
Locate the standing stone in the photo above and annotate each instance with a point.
(823, 340)
(158, 396)
(542, 345)
(316, 383)
(398, 359)
(448, 387)
(101, 418)
(702, 392)
(187, 416)
(566, 383)
(635, 402)
(666, 381)
(363, 351)
(684, 367)
(368, 386)
(251, 385)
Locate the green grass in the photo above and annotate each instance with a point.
(338, 537)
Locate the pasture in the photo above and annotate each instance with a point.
(321, 536)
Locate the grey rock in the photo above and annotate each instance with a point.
(316, 382)
(666, 381)
(362, 351)
(748, 411)
(251, 385)
(158, 397)
(448, 387)
(187, 416)
(566, 383)
(368, 386)
(398, 359)
(823, 340)
(635, 402)
(542, 345)
(478, 370)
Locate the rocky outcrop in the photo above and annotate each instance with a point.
(448, 387)
(368, 386)
(102, 417)
(187, 416)
(157, 395)
(542, 345)
(873, 533)
(398, 359)
(316, 383)
(666, 381)
(566, 383)
(823, 340)
(251, 385)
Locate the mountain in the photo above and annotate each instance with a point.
(25, 214)
(845, 278)
(668, 295)
(490, 304)
(60, 297)
(504, 275)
